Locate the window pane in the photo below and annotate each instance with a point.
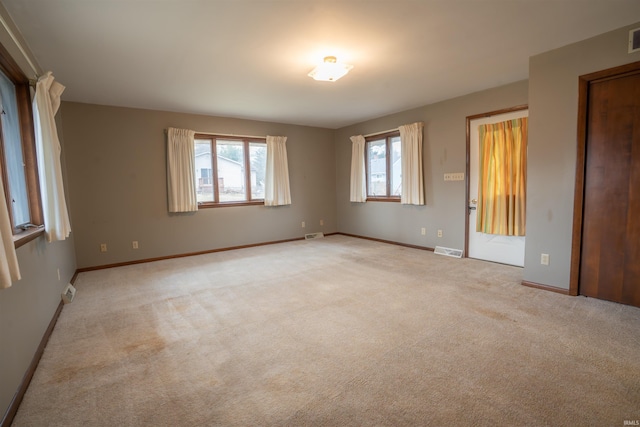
(230, 164)
(377, 168)
(13, 152)
(258, 159)
(204, 171)
(396, 167)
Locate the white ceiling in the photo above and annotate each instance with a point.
(250, 58)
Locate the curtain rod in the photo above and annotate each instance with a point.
(384, 131)
(380, 133)
(224, 134)
(19, 46)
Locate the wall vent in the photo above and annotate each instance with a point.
(68, 294)
(456, 253)
(311, 236)
(634, 40)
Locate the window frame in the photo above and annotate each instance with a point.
(387, 136)
(246, 143)
(28, 143)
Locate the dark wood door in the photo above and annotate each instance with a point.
(610, 256)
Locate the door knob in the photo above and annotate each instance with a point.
(474, 201)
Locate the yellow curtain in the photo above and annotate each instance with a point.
(503, 178)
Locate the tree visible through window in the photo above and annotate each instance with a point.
(229, 170)
(383, 161)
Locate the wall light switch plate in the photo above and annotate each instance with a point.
(634, 40)
(456, 176)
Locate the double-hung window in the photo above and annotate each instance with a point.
(17, 150)
(384, 168)
(229, 170)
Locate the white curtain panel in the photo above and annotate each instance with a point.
(9, 269)
(412, 176)
(358, 174)
(276, 187)
(181, 170)
(54, 206)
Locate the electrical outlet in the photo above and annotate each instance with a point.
(544, 259)
(103, 247)
(303, 224)
(423, 231)
(134, 244)
(439, 233)
(321, 222)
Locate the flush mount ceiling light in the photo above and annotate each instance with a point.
(330, 70)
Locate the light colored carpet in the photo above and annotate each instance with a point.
(333, 332)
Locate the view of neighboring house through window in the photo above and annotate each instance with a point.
(204, 171)
(229, 170)
(383, 161)
(258, 160)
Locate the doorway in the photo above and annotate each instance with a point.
(605, 260)
(488, 247)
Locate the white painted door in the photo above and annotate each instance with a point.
(490, 247)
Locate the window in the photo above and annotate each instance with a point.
(17, 149)
(229, 171)
(383, 161)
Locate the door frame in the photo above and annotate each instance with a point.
(584, 82)
(468, 179)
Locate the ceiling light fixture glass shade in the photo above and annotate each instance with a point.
(330, 70)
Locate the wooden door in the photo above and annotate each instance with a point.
(610, 253)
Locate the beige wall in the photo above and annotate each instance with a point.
(116, 163)
(553, 113)
(444, 152)
(27, 307)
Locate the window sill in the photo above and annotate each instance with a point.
(26, 236)
(230, 204)
(383, 199)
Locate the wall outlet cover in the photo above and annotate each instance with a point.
(544, 259)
